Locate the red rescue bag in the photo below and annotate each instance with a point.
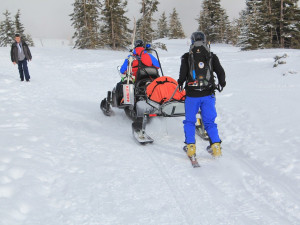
(162, 89)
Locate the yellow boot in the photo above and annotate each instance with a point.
(191, 150)
(216, 149)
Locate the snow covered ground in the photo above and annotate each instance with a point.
(63, 162)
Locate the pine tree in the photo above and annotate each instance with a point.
(205, 24)
(256, 31)
(295, 31)
(86, 23)
(7, 30)
(243, 31)
(289, 24)
(267, 20)
(235, 31)
(145, 31)
(213, 21)
(270, 23)
(225, 28)
(175, 27)
(29, 40)
(254, 22)
(114, 31)
(162, 26)
(19, 29)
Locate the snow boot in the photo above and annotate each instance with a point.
(190, 150)
(215, 149)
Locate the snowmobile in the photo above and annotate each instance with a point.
(140, 108)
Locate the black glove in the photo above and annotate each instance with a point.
(180, 84)
(223, 84)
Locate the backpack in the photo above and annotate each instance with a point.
(162, 89)
(200, 66)
(142, 59)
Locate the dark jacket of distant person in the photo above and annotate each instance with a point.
(14, 52)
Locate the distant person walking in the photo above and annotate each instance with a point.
(20, 54)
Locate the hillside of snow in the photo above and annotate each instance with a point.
(63, 162)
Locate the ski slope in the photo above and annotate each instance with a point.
(63, 162)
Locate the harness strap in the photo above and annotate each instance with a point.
(160, 82)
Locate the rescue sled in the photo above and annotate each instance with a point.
(172, 106)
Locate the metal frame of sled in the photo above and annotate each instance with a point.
(171, 108)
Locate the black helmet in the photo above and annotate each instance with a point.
(139, 43)
(198, 36)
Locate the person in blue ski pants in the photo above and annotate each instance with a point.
(208, 113)
(203, 99)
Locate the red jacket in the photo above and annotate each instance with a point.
(145, 58)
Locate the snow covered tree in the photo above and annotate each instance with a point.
(255, 32)
(235, 31)
(289, 21)
(7, 30)
(242, 30)
(175, 27)
(29, 40)
(255, 25)
(145, 31)
(86, 23)
(270, 23)
(19, 29)
(213, 21)
(114, 31)
(294, 28)
(205, 24)
(162, 26)
(267, 19)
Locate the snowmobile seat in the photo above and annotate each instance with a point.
(145, 75)
(147, 72)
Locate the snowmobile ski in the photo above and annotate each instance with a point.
(105, 107)
(193, 159)
(200, 130)
(107, 112)
(201, 133)
(142, 137)
(139, 133)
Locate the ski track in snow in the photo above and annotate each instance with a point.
(63, 162)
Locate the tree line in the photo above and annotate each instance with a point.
(262, 24)
(101, 24)
(268, 24)
(104, 24)
(9, 27)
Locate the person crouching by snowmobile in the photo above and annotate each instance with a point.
(141, 56)
(196, 70)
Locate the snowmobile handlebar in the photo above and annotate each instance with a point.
(148, 48)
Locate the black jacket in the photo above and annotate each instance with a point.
(184, 74)
(14, 52)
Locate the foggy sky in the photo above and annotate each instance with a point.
(50, 18)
